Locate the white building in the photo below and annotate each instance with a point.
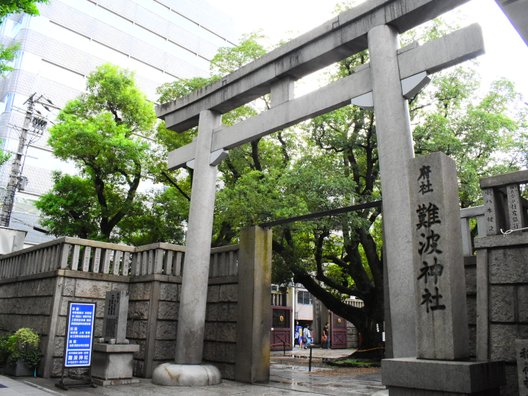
(161, 40)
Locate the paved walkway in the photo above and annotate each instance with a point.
(289, 377)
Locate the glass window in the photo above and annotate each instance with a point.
(304, 297)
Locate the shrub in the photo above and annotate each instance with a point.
(23, 345)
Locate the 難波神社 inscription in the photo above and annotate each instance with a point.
(428, 217)
(441, 322)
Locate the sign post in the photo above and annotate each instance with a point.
(79, 340)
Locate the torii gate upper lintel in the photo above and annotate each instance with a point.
(391, 73)
(332, 41)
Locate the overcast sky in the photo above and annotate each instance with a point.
(506, 54)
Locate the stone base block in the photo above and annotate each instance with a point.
(413, 377)
(113, 362)
(172, 374)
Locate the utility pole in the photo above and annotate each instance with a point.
(15, 176)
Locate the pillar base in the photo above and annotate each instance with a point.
(112, 364)
(172, 374)
(411, 376)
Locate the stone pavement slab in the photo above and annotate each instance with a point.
(286, 379)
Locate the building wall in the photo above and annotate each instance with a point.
(160, 40)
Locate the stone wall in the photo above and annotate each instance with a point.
(502, 273)
(152, 315)
(153, 280)
(26, 302)
(503, 309)
(221, 325)
(152, 320)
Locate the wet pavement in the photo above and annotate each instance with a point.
(289, 375)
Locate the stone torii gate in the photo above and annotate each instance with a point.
(393, 75)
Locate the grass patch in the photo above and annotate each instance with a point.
(349, 362)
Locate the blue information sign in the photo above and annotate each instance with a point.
(79, 336)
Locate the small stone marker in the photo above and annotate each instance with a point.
(490, 212)
(521, 351)
(515, 208)
(442, 327)
(115, 320)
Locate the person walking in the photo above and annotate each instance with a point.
(307, 335)
(298, 334)
(325, 338)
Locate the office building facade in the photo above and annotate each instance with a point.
(160, 40)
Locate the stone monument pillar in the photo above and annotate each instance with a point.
(113, 355)
(115, 321)
(442, 365)
(188, 370)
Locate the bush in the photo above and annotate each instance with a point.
(23, 345)
(4, 352)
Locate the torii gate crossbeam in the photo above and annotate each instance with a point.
(338, 38)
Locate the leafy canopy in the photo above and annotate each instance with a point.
(104, 133)
(332, 161)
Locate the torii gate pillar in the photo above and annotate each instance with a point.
(395, 148)
(187, 369)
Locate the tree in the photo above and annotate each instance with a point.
(332, 161)
(104, 133)
(70, 207)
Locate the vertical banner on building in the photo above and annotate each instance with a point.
(79, 334)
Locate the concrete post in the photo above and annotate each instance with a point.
(191, 320)
(188, 370)
(395, 149)
(254, 308)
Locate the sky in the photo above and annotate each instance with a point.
(506, 54)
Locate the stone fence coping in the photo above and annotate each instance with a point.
(96, 257)
(520, 177)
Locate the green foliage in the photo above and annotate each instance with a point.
(70, 208)
(156, 217)
(4, 157)
(22, 345)
(179, 88)
(15, 6)
(4, 352)
(7, 54)
(358, 363)
(104, 133)
(229, 59)
(485, 135)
